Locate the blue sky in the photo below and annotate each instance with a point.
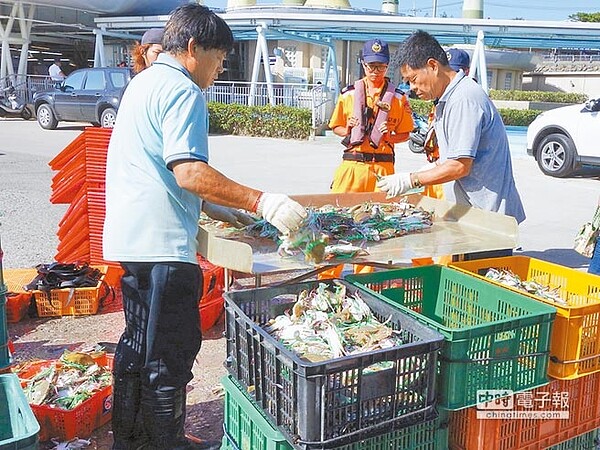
(495, 9)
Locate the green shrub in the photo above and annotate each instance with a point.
(538, 96)
(286, 122)
(518, 117)
(265, 121)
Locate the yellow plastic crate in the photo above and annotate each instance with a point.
(15, 279)
(575, 339)
(59, 302)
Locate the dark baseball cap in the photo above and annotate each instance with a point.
(458, 59)
(153, 36)
(376, 51)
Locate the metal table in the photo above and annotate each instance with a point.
(456, 230)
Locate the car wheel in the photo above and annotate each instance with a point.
(26, 113)
(107, 119)
(556, 155)
(46, 117)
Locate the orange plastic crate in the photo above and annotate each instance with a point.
(17, 306)
(77, 422)
(467, 432)
(575, 338)
(16, 279)
(72, 302)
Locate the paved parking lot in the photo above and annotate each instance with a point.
(28, 225)
(555, 207)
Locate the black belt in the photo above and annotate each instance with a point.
(368, 157)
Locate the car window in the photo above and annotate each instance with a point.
(75, 80)
(118, 79)
(94, 81)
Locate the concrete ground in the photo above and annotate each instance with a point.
(555, 207)
(28, 222)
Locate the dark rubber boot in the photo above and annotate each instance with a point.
(163, 414)
(126, 427)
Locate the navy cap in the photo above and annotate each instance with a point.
(153, 36)
(376, 51)
(458, 59)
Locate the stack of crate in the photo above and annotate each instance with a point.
(80, 181)
(275, 399)
(574, 389)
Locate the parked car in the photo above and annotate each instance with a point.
(86, 95)
(563, 139)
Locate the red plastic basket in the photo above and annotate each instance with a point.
(210, 311)
(214, 279)
(78, 422)
(17, 305)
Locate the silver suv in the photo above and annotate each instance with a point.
(86, 95)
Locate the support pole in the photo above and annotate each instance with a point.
(99, 58)
(262, 40)
(25, 24)
(6, 66)
(331, 64)
(478, 69)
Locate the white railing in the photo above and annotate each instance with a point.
(289, 94)
(316, 97)
(27, 85)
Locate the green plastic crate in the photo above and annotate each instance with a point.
(587, 441)
(247, 428)
(4, 352)
(18, 427)
(494, 338)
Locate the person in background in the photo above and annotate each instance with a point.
(144, 53)
(158, 180)
(459, 59)
(372, 115)
(474, 155)
(122, 64)
(55, 71)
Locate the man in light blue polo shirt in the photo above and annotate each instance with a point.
(474, 153)
(157, 181)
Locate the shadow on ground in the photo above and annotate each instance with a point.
(563, 256)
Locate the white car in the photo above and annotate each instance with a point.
(563, 139)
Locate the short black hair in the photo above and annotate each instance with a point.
(418, 48)
(198, 22)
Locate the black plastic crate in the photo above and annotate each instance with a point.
(342, 400)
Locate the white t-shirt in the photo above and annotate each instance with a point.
(55, 72)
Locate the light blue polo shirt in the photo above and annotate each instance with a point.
(468, 125)
(162, 118)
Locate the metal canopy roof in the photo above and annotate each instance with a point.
(358, 25)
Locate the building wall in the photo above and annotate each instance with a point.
(587, 83)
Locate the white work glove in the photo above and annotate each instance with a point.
(234, 217)
(281, 211)
(396, 184)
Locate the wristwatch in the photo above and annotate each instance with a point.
(415, 180)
